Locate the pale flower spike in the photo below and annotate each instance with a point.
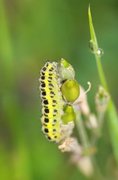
(64, 106)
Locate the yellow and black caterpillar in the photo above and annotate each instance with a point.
(59, 90)
(52, 101)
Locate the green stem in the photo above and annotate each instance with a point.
(101, 72)
(81, 130)
(98, 59)
(97, 132)
(101, 119)
(111, 111)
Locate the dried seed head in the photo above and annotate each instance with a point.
(71, 145)
(70, 90)
(67, 129)
(69, 114)
(92, 121)
(102, 99)
(82, 102)
(86, 166)
(66, 70)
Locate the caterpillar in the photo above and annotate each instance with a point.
(58, 90)
(52, 101)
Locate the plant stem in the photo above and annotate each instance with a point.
(98, 59)
(81, 129)
(111, 111)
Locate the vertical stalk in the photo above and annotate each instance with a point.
(111, 111)
(81, 130)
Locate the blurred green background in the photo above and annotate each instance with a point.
(32, 31)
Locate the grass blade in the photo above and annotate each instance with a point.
(111, 111)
